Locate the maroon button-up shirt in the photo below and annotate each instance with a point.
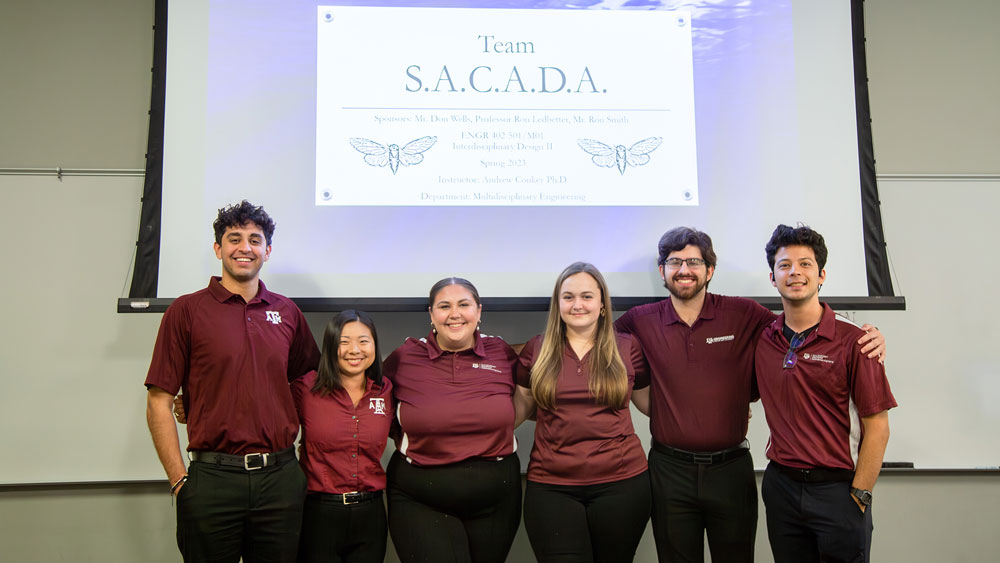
(341, 445)
(234, 361)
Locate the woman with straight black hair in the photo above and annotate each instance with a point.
(346, 409)
(587, 499)
(454, 483)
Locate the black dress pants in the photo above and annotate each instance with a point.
(691, 499)
(600, 523)
(225, 513)
(334, 532)
(813, 522)
(465, 512)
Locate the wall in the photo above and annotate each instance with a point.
(75, 94)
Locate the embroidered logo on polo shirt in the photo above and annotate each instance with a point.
(817, 358)
(377, 404)
(273, 317)
(487, 367)
(715, 339)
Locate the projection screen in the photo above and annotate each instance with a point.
(396, 143)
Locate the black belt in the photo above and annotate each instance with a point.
(815, 474)
(702, 458)
(250, 462)
(347, 498)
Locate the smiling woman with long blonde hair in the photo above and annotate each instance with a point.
(587, 497)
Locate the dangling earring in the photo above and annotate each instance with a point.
(479, 324)
(433, 328)
(602, 311)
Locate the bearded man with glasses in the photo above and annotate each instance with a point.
(700, 348)
(827, 409)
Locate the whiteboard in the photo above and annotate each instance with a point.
(72, 404)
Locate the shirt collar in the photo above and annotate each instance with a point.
(827, 328)
(221, 294)
(434, 351)
(828, 324)
(707, 310)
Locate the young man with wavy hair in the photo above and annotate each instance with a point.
(233, 348)
(827, 408)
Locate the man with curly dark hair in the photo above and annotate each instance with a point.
(233, 348)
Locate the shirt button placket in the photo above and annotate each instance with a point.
(354, 455)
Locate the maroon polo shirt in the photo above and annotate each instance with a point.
(453, 406)
(701, 375)
(580, 441)
(813, 408)
(234, 361)
(341, 446)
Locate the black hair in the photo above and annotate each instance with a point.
(441, 284)
(328, 374)
(240, 214)
(677, 238)
(802, 235)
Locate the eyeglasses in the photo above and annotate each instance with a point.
(691, 262)
(791, 356)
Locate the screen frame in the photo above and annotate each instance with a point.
(142, 295)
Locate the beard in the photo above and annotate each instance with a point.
(688, 292)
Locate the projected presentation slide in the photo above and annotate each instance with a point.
(397, 142)
(504, 107)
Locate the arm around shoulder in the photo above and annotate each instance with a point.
(524, 405)
(637, 360)
(303, 355)
(640, 398)
(873, 343)
(625, 324)
(524, 401)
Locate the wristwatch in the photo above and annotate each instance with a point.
(864, 496)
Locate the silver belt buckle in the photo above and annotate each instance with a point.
(703, 459)
(262, 460)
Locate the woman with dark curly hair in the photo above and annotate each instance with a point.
(454, 483)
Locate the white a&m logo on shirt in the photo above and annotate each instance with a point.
(487, 367)
(273, 317)
(817, 358)
(377, 404)
(715, 339)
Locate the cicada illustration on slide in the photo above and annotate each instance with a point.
(393, 155)
(608, 156)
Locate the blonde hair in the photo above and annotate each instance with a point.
(608, 379)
